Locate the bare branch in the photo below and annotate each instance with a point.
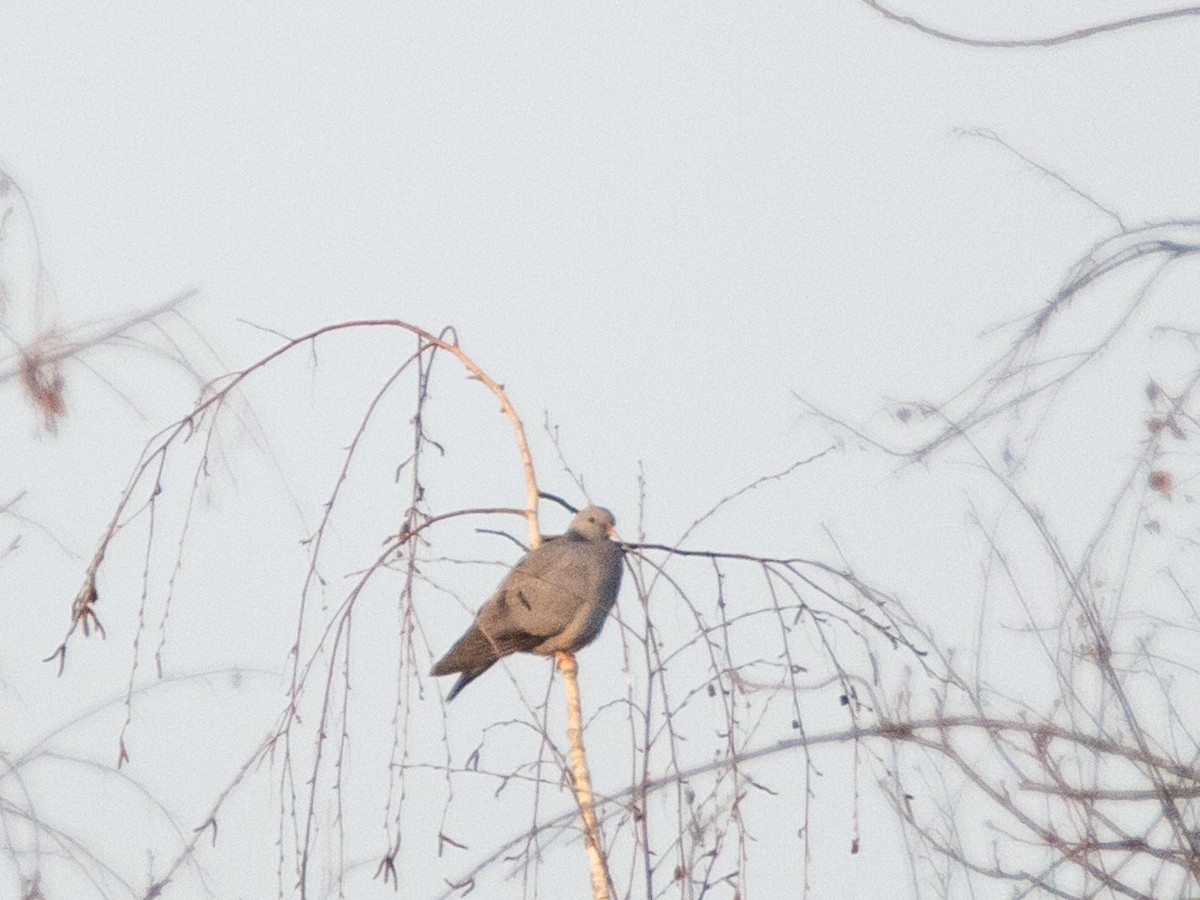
(1055, 40)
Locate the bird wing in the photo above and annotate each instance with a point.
(525, 609)
(546, 590)
(555, 598)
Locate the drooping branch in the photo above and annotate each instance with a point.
(1025, 371)
(83, 614)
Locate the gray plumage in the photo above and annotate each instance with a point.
(556, 598)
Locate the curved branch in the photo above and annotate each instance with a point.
(1020, 43)
(83, 614)
(903, 731)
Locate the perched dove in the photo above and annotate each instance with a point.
(556, 598)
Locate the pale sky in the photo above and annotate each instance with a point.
(654, 224)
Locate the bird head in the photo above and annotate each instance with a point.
(594, 523)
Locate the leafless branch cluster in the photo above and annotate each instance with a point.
(829, 626)
(1081, 788)
(1058, 756)
(39, 843)
(1072, 774)
(40, 349)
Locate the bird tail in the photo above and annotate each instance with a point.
(463, 680)
(472, 655)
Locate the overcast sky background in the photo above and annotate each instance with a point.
(655, 224)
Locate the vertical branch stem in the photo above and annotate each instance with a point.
(583, 781)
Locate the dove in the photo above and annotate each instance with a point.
(555, 598)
